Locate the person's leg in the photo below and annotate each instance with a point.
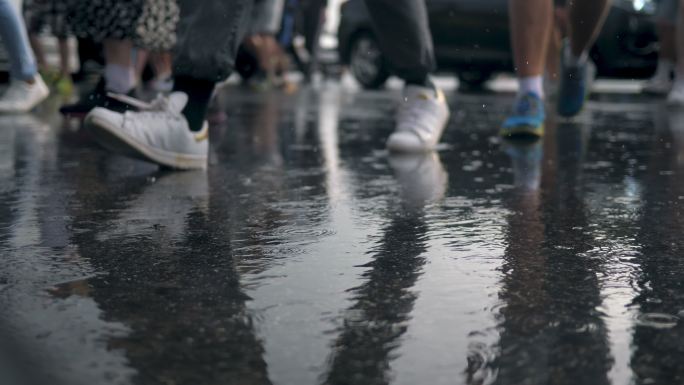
(172, 132)
(531, 26)
(585, 19)
(208, 40)
(679, 42)
(313, 16)
(666, 35)
(119, 71)
(142, 56)
(676, 96)
(405, 40)
(666, 19)
(38, 51)
(119, 78)
(162, 64)
(14, 36)
(27, 88)
(35, 17)
(64, 83)
(553, 50)
(531, 23)
(63, 46)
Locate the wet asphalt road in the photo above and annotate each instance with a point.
(307, 255)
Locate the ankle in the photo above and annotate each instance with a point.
(573, 59)
(199, 94)
(119, 79)
(424, 83)
(531, 85)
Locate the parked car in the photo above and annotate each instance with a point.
(471, 39)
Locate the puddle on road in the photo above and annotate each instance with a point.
(306, 254)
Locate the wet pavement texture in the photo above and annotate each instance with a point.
(307, 254)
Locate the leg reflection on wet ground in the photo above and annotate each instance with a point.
(306, 254)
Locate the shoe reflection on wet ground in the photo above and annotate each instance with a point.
(307, 254)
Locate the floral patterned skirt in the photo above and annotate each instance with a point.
(151, 24)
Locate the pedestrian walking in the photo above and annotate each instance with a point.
(405, 39)
(172, 130)
(666, 19)
(531, 23)
(676, 95)
(27, 88)
(121, 26)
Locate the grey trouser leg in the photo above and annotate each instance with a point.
(404, 35)
(209, 34)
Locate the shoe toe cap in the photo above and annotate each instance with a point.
(104, 118)
(406, 142)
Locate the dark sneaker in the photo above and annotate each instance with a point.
(527, 118)
(574, 87)
(96, 98)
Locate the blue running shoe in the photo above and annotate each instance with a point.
(527, 118)
(574, 87)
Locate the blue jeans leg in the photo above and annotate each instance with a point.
(15, 40)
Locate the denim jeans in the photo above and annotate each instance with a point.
(16, 43)
(404, 35)
(209, 34)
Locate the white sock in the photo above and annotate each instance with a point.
(531, 84)
(118, 78)
(664, 69)
(572, 60)
(678, 82)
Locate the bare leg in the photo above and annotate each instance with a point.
(161, 62)
(553, 53)
(118, 52)
(64, 57)
(679, 44)
(141, 59)
(531, 25)
(676, 95)
(38, 51)
(661, 81)
(585, 21)
(666, 35)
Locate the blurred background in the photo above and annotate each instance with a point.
(470, 36)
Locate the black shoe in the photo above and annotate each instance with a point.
(96, 98)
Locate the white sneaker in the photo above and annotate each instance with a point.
(421, 119)
(157, 133)
(676, 96)
(21, 96)
(657, 85)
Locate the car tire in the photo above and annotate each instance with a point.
(367, 63)
(474, 79)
